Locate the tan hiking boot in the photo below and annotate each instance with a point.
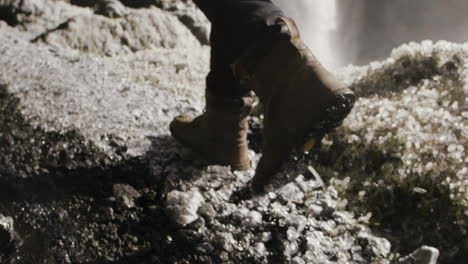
(219, 135)
(301, 98)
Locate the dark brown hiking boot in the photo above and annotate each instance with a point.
(301, 98)
(219, 135)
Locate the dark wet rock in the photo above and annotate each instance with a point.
(19, 11)
(373, 245)
(423, 255)
(149, 197)
(125, 195)
(110, 8)
(108, 213)
(9, 239)
(87, 3)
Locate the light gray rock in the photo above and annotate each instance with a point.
(196, 21)
(140, 29)
(248, 217)
(291, 193)
(315, 210)
(127, 30)
(188, 13)
(297, 260)
(343, 217)
(183, 206)
(423, 255)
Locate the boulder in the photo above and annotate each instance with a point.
(136, 30)
(186, 11)
(119, 30)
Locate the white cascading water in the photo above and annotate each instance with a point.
(317, 21)
(360, 31)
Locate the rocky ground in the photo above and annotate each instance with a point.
(89, 173)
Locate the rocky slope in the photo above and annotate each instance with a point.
(89, 173)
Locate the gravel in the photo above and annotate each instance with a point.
(289, 231)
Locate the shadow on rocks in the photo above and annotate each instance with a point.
(74, 216)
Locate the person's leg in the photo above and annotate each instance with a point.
(254, 46)
(302, 100)
(220, 134)
(235, 24)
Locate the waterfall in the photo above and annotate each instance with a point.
(359, 31)
(317, 23)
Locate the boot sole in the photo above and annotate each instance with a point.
(333, 119)
(234, 166)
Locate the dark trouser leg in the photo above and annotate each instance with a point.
(219, 135)
(235, 24)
